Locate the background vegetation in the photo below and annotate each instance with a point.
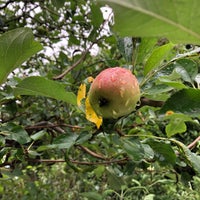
(49, 150)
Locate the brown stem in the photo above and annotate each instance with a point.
(193, 144)
(74, 65)
(91, 152)
(46, 124)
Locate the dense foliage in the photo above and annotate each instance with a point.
(49, 150)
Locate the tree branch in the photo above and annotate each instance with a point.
(6, 4)
(148, 102)
(82, 58)
(120, 161)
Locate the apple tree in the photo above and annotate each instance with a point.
(56, 143)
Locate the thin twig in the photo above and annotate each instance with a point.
(46, 124)
(82, 58)
(194, 143)
(92, 153)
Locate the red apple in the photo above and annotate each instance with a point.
(114, 93)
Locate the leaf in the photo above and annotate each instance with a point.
(134, 149)
(163, 152)
(173, 79)
(91, 115)
(151, 18)
(16, 47)
(97, 16)
(189, 66)
(38, 135)
(174, 127)
(148, 152)
(65, 140)
(92, 195)
(157, 56)
(186, 101)
(149, 197)
(192, 158)
(174, 84)
(115, 182)
(46, 147)
(81, 94)
(144, 49)
(18, 134)
(61, 142)
(99, 171)
(41, 86)
(176, 124)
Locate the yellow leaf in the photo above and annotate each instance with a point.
(81, 94)
(90, 79)
(91, 115)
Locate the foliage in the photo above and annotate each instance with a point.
(172, 20)
(48, 147)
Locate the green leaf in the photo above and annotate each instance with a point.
(99, 171)
(41, 86)
(163, 152)
(174, 79)
(148, 152)
(153, 18)
(190, 67)
(114, 181)
(158, 92)
(174, 127)
(97, 16)
(38, 135)
(18, 134)
(174, 84)
(185, 101)
(157, 56)
(149, 197)
(144, 49)
(176, 124)
(46, 147)
(16, 47)
(92, 195)
(61, 142)
(65, 140)
(192, 159)
(134, 149)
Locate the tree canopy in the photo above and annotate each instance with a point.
(50, 51)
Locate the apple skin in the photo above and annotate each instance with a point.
(114, 93)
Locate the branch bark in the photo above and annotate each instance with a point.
(148, 102)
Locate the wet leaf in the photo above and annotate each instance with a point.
(81, 94)
(91, 115)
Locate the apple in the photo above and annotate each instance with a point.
(114, 93)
